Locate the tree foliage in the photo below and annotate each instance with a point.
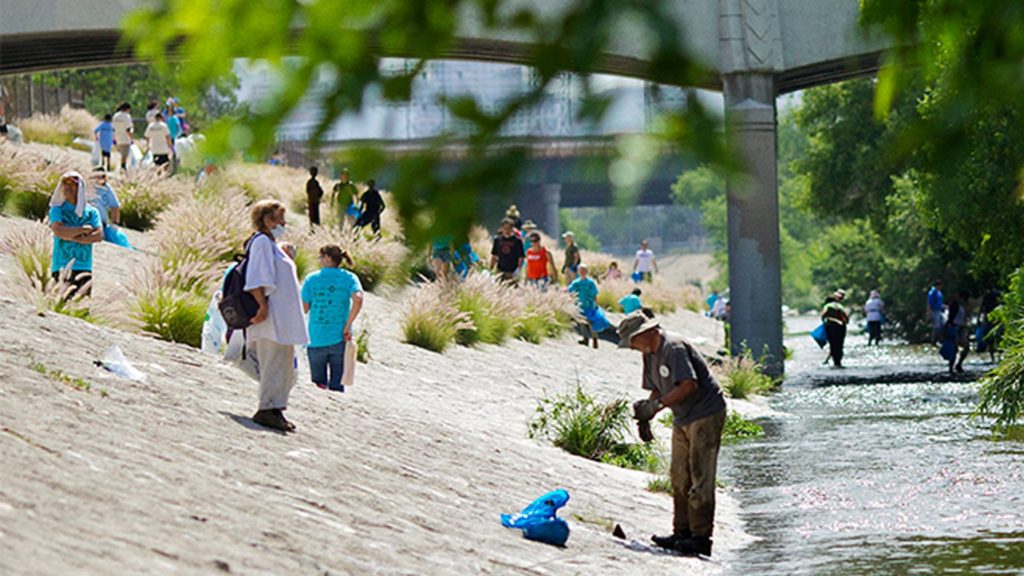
(138, 84)
(342, 41)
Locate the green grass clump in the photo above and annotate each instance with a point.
(739, 428)
(29, 204)
(59, 376)
(430, 321)
(170, 314)
(660, 485)
(577, 423)
(363, 355)
(488, 306)
(743, 377)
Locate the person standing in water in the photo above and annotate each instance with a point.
(874, 309)
(835, 318)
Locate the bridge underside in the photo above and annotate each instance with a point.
(25, 53)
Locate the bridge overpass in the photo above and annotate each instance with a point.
(757, 49)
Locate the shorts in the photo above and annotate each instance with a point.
(937, 321)
(442, 254)
(161, 159)
(539, 283)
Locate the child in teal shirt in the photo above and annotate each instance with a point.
(332, 296)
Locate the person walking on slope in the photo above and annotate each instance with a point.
(123, 132)
(571, 262)
(104, 133)
(278, 325)
(345, 199)
(158, 142)
(956, 328)
(507, 252)
(835, 319)
(540, 264)
(372, 204)
(935, 307)
(678, 378)
(314, 193)
(586, 291)
(644, 264)
(333, 298)
(874, 309)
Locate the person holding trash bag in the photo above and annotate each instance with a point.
(678, 377)
(278, 325)
(333, 298)
(834, 317)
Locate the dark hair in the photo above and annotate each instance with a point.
(534, 235)
(371, 183)
(124, 106)
(159, 116)
(107, 117)
(649, 313)
(336, 254)
(313, 170)
(637, 292)
(508, 221)
(152, 104)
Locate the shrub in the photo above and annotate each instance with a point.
(145, 193)
(741, 377)
(660, 484)
(1002, 391)
(430, 321)
(59, 130)
(363, 355)
(739, 428)
(29, 204)
(542, 315)
(577, 423)
(160, 308)
(209, 230)
(377, 261)
(31, 247)
(489, 307)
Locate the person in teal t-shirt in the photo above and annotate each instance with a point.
(631, 302)
(332, 297)
(76, 227)
(586, 291)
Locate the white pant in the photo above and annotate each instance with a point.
(273, 366)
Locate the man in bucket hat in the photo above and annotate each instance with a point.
(679, 379)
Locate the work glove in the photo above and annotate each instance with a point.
(643, 428)
(646, 409)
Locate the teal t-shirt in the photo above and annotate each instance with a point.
(586, 291)
(329, 292)
(630, 303)
(65, 251)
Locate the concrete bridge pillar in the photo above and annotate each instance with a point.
(540, 203)
(755, 283)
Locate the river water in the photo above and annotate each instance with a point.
(876, 478)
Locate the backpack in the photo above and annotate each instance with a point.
(237, 306)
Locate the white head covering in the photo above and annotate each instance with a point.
(58, 193)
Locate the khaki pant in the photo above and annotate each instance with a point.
(273, 366)
(694, 462)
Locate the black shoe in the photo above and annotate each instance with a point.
(695, 546)
(271, 419)
(670, 542)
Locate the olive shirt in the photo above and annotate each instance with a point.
(675, 362)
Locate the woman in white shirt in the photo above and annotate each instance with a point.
(278, 325)
(875, 311)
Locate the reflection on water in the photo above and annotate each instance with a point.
(878, 479)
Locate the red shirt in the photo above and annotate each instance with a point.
(537, 260)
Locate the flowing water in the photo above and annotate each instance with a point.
(876, 478)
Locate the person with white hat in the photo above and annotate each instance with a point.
(76, 227)
(678, 377)
(572, 258)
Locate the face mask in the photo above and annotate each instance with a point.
(278, 231)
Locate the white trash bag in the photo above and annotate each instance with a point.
(116, 363)
(214, 340)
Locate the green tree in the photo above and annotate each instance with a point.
(138, 84)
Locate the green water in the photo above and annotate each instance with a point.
(876, 479)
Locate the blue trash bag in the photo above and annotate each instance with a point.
(539, 521)
(114, 235)
(980, 339)
(598, 321)
(819, 335)
(637, 277)
(948, 349)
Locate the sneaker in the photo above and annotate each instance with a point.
(695, 546)
(670, 542)
(271, 419)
